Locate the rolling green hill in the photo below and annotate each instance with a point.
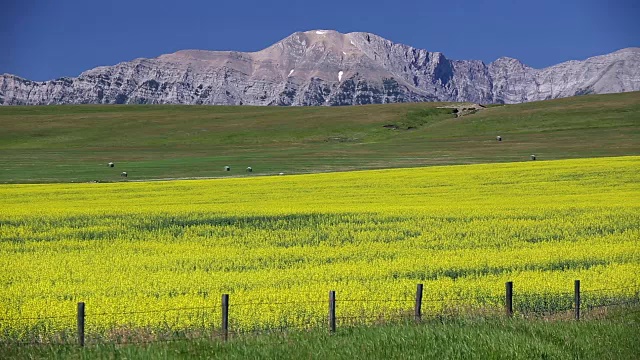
(74, 143)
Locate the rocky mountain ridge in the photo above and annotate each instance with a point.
(324, 67)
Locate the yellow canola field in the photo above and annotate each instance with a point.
(158, 255)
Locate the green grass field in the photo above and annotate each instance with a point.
(614, 337)
(74, 143)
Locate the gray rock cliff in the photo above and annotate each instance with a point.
(324, 67)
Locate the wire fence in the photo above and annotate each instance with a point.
(217, 322)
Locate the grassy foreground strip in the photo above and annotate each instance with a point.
(612, 338)
(74, 143)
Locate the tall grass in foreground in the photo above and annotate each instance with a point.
(614, 337)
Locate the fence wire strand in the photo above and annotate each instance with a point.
(373, 317)
(149, 311)
(373, 300)
(636, 288)
(278, 303)
(40, 318)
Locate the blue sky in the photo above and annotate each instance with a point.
(44, 39)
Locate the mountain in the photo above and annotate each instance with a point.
(324, 67)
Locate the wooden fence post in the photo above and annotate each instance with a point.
(332, 311)
(418, 307)
(225, 316)
(576, 290)
(508, 303)
(81, 323)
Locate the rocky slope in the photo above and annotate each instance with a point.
(323, 67)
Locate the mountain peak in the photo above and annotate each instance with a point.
(322, 32)
(507, 60)
(326, 67)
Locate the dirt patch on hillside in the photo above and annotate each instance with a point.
(460, 110)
